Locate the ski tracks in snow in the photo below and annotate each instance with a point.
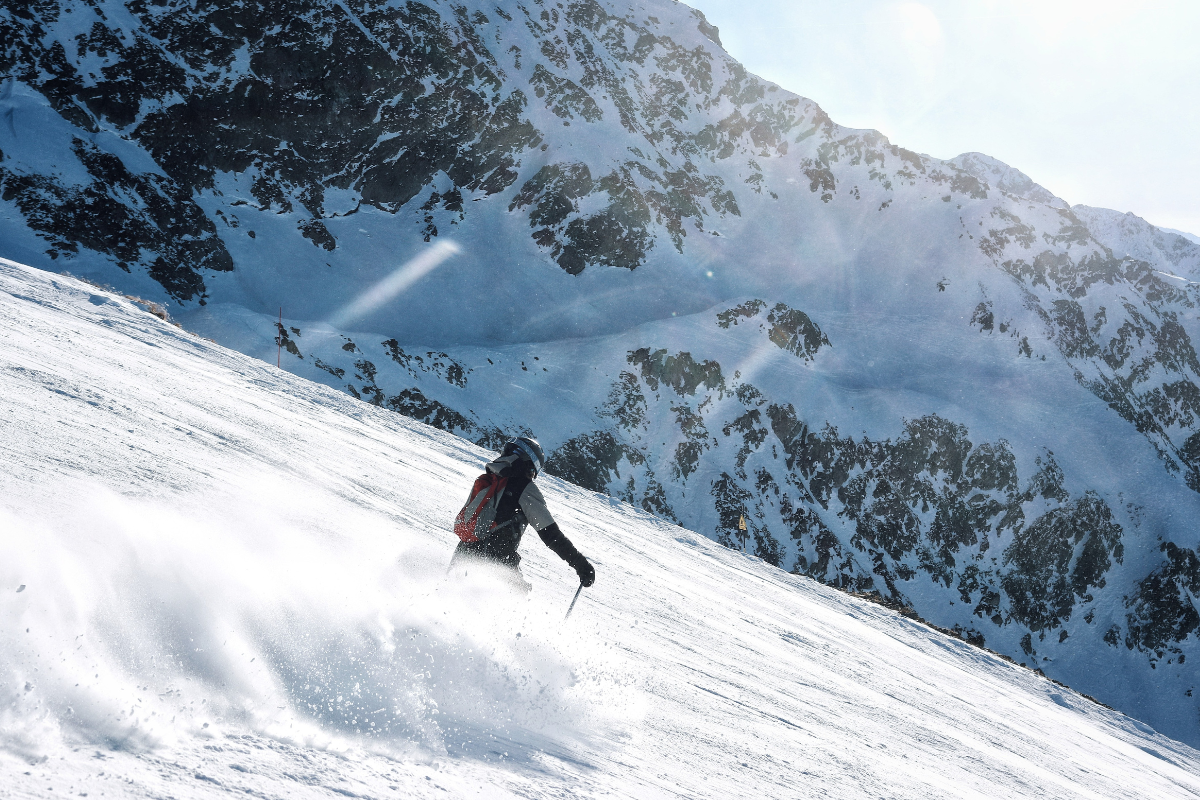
(235, 583)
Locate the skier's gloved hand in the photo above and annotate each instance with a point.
(585, 570)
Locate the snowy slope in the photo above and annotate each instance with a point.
(927, 378)
(1021, 515)
(233, 580)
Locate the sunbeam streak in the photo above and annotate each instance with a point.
(394, 284)
(756, 359)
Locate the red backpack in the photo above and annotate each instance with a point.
(477, 519)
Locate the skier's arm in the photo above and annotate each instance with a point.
(563, 548)
(534, 506)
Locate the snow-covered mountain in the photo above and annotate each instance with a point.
(219, 578)
(930, 379)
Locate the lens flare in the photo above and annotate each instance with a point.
(394, 284)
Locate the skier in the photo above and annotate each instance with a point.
(521, 504)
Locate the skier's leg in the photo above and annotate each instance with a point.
(462, 554)
(513, 563)
(519, 582)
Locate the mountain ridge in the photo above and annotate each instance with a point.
(927, 378)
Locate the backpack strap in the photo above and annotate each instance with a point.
(509, 509)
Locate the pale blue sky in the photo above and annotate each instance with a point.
(1097, 100)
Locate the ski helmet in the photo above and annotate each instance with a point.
(529, 450)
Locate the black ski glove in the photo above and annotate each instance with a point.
(562, 547)
(586, 572)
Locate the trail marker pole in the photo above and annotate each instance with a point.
(279, 341)
(572, 606)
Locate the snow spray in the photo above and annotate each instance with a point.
(146, 620)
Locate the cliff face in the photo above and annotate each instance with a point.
(931, 379)
(316, 111)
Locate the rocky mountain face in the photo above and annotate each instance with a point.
(930, 379)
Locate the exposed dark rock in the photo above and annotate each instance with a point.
(736, 314)
(99, 216)
(438, 363)
(284, 341)
(412, 403)
(1058, 558)
(679, 372)
(1162, 612)
(793, 331)
(588, 460)
(316, 232)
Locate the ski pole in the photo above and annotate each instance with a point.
(572, 606)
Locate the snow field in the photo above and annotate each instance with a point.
(235, 581)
